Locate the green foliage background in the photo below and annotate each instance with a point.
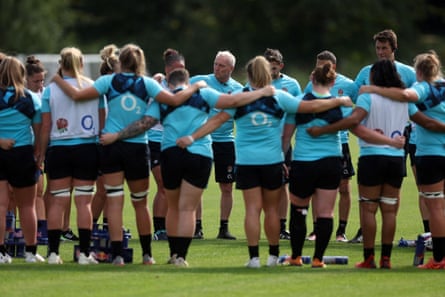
(199, 28)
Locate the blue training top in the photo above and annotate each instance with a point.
(225, 132)
(17, 116)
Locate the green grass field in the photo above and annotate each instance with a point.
(217, 267)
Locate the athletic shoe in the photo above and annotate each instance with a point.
(253, 263)
(385, 262)
(284, 235)
(160, 235)
(432, 264)
(311, 236)
(53, 258)
(272, 261)
(368, 263)
(341, 238)
(225, 234)
(69, 235)
(5, 258)
(31, 258)
(316, 263)
(84, 260)
(298, 261)
(198, 234)
(148, 260)
(181, 262)
(358, 238)
(118, 261)
(172, 259)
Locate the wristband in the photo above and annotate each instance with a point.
(190, 137)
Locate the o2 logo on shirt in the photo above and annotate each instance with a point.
(87, 122)
(259, 118)
(129, 103)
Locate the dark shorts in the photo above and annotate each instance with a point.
(346, 162)
(18, 167)
(224, 160)
(155, 153)
(379, 170)
(265, 176)
(131, 158)
(430, 169)
(76, 161)
(178, 164)
(307, 176)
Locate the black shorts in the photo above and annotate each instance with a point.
(430, 169)
(18, 167)
(307, 176)
(76, 161)
(224, 160)
(179, 164)
(131, 158)
(346, 162)
(378, 170)
(265, 176)
(155, 153)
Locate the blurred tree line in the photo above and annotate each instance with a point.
(200, 28)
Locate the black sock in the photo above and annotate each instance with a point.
(31, 249)
(224, 224)
(172, 245)
(386, 250)
(283, 225)
(54, 241)
(274, 250)
(116, 248)
(145, 241)
(159, 223)
(341, 227)
(183, 246)
(298, 229)
(84, 240)
(367, 252)
(198, 225)
(438, 247)
(426, 226)
(324, 232)
(254, 251)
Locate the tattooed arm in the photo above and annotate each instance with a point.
(131, 130)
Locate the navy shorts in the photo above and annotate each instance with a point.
(378, 170)
(155, 153)
(18, 167)
(131, 158)
(179, 164)
(224, 160)
(430, 169)
(307, 176)
(265, 176)
(346, 162)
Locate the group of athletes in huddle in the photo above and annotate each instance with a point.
(178, 127)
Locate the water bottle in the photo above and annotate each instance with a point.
(406, 243)
(284, 258)
(343, 260)
(10, 221)
(420, 250)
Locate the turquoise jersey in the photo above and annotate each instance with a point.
(343, 86)
(429, 143)
(287, 84)
(184, 120)
(258, 134)
(225, 132)
(16, 119)
(385, 114)
(126, 108)
(308, 148)
(406, 72)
